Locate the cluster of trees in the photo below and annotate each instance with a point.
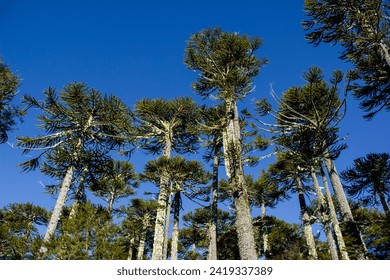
(82, 128)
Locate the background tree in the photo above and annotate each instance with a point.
(89, 234)
(264, 192)
(369, 179)
(9, 85)
(307, 124)
(118, 181)
(361, 27)
(162, 127)
(78, 120)
(212, 128)
(19, 235)
(143, 214)
(226, 64)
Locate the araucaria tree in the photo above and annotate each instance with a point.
(76, 122)
(369, 179)
(361, 27)
(9, 84)
(163, 126)
(227, 65)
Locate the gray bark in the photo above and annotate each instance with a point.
(167, 223)
(55, 216)
(158, 240)
(131, 246)
(235, 174)
(325, 219)
(175, 231)
(212, 231)
(307, 230)
(264, 231)
(346, 212)
(141, 245)
(333, 216)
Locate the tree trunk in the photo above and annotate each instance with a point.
(324, 216)
(264, 231)
(131, 246)
(167, 223)
(110, 206)
(158, 240)
(333, 216)
(346, 212)
(384, 205)
(234, 171)
(61, 200)
(142, 238)
(175, 232)
(212, 252)
(307, 230)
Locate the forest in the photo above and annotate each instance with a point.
(87, 139)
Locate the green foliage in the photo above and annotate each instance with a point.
(194, 234)
(79, 119)
(361, 27)
(225, 61)
(118, 180)
(286, 240)
(161, 122)
(19, 235)
(375, 230)
(9, 85)
(369, 178)
(86, 234)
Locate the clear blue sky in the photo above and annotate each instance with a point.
(134, 49)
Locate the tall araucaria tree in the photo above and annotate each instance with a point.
(163, 126)
(307, 125)
(369, 179)
(76, 121)
(9, 85)
(227, 65)
(117, 181)
(361, 27)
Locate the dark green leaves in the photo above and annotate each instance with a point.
(9, 84)
(225, 61)
(362, 28)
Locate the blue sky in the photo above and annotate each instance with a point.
(134, 49)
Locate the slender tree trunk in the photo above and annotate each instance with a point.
(212, 252)
(158, 241)
(333, 216)
(110, 206)
(141, 245)
(131, 246)
(175, 232)
(234, 170)
(264, 231)
(385, 205)
(307, 230)
(55, 216)
(167, 223)
(346, 212)
(324, 209)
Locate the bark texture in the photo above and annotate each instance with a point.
(55, 216)
(212, 230)
(175, 231)
(159, 233)
(324, 216)
(307, 230)
(235, 174)
(346, 212)
(333, 216)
